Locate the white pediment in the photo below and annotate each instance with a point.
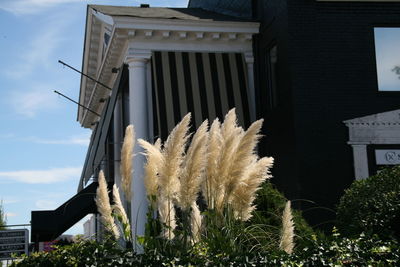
(388, 118)
(380, 128)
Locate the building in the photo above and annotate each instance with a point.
(154, 66)
(315, 68)
(309, 68)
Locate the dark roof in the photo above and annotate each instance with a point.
(164, 13)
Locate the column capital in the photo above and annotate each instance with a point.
(135, 56)
(248, 57)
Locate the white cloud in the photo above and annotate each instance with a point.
(49, 176)
(39, 53)
(24, 7)
(37, 98)
(7, 136)
(82, 140)
(10, 200)
(45, 204)
(10, 214)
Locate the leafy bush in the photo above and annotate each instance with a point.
(3, 219)
(372, 206)
(84, 253)
(270, 204)
(339, 251)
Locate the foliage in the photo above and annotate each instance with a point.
(84, 253)
(342, 251)
(270, 205)
(339, 251)
(372, 206)
(3, 219)
(222, 166)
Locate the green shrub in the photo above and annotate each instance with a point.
(339, 251)
(270, 205)
(3, 219)
(342, 251)
(372, 206)
(83, 253)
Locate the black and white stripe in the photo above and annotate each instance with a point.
(205, 84)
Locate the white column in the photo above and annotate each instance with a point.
(139, 117)
(250, 84)
(117, 124)
(360, 161)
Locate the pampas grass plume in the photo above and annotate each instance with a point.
(212, 180)
(103, 206)
(126, 161)
(166, 212)
(194, 165)
(195, 222)
(243, 157)
(173, 152)
(231, 136)
(287, 235)
(119, 210)
(155, 161)
(245, 193)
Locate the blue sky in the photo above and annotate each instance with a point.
(42, 146)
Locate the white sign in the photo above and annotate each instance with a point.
(387, 156)
(13, 242)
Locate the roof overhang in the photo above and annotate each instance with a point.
(130, 34)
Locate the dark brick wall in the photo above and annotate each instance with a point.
(238, 8)
(333, 78)
(326, 74)
(279, 140)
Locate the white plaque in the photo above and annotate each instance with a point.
(387, 156)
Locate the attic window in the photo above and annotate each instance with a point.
(387, 43)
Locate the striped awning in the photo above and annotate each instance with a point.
(206, 84)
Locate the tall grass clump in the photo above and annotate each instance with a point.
(114, 217)
(202, 192)
(104, 207)
(126, 162)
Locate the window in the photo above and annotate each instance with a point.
(387, 51)
(272, 76)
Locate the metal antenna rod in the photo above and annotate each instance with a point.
(77, 103)
(102, 84)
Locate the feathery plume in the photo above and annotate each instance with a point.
(211, 181)
(103, 206)
(126, 161)
(173, 152)
(242, 158)
(195, 222)
(155, 161)
(231, 136)
(119, 211)
(287, 235)
(166, 212)
(229, 126)
(245, 193)
(193, 167)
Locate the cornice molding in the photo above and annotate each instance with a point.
(134, 39)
